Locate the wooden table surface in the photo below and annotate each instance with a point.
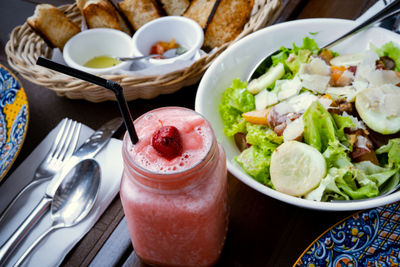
(262, 230)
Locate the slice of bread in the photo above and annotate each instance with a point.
(174, 7)
(139, 12)
(52, 25)
(202, 11)
(227, 22)
(102, 14)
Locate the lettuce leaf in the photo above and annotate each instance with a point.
(263, 136)
(299, 56)
(391, 154)
(256, 162)
(392, 150)
(319, 127)
(375, 173)
(343, 122)
(256, 159)
(351, 186)
(390, 50)
(235, 101)
(308, 44)
(327, 189)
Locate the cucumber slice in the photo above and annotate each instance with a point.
(265, 80)
(379, 108)
(296, 168)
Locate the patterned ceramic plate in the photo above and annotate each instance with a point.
(367, 238)
(13, 119)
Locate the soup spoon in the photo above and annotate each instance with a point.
(73, 199)
(390, 10)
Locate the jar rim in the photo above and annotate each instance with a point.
(181, 174)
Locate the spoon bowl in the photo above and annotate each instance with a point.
(73, 200)
(77, 193)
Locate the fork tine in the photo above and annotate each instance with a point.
(69, 146)
(57, 140)
(74, 142)
(70, 126)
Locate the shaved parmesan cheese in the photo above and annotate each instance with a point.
(360, 86)
(314, 82)
(381, 77)
(287, 88)
(264, 99)
(367, 65)
(346, 78)
(346, 92)
(294, 130)
(283, 108)
(300, 103)
(347, 60)
(316, 66)
(325, 102)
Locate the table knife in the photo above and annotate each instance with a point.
(87, 150)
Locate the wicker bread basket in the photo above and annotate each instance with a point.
(25, 46)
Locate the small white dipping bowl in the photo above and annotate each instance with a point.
(186, 32)
(94, 43)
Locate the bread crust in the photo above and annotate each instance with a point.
(202, 11)
(102, 14)
(227, 22)
(174, 7)
(139, 12)
(52, 25)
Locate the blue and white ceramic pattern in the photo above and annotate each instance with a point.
(13, 119)
(367, 238)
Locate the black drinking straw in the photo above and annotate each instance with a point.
(108, 84)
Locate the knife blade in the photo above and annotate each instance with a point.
(87, 150)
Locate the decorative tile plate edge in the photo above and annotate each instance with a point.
(366, 238)
(14, 117)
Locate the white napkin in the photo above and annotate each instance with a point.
(52, 250)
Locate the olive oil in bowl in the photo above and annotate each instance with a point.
(101, 62)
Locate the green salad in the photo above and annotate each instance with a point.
(319, 125)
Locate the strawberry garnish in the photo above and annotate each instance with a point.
(167, 142)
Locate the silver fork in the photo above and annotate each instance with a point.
(62, 148)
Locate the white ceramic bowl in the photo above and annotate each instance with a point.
(186, 32)
(240, 58)
(97, 42)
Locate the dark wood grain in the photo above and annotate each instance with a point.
(262, 230)
(290, 10)
(343, 9)
(119, 243)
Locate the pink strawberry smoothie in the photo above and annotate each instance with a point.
(176, 209)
